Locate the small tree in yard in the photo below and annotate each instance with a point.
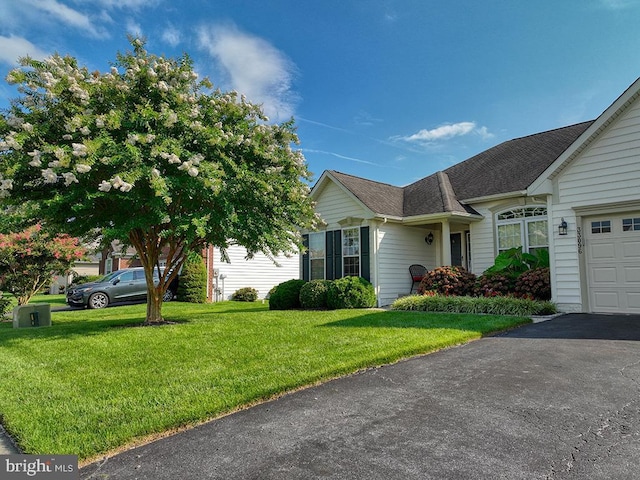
(148, 155)
(30, 259)
(193, 280)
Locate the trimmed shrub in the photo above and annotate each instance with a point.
(449, 280)
(494, 284)
(78, 279)
(534, 283)
(286, 296)
(246, 294)
(192, 287)
(5, 305)
(490, 305)
(313, 294)
(351, 292)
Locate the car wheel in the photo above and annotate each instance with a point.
(168, 296)
(98, 300)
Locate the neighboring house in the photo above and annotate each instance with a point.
(223, 278)
(518, 193)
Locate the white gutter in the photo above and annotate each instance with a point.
(498, 196)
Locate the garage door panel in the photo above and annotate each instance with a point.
(631, 250)
(602, 251)
(604, 275)
(605, 300)
(632, 274)
(633, 302)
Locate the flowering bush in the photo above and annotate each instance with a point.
(150, 154)
(534, 283)
(29, 260)
(493, 285)
(448, 280)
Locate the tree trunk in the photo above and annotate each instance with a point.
(154, 305)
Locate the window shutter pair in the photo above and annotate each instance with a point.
(333, 260)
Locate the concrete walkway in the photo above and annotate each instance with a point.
(553, 400)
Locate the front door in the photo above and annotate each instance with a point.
(456, 249)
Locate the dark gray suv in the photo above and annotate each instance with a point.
(120, 286)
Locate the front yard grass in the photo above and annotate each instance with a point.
(90, 383)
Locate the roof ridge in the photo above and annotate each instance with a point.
(446, 189)
(362, 178)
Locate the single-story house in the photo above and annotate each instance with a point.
(223, 278)
(573, 190)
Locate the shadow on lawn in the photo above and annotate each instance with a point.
(483, 324)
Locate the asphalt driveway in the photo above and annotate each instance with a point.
(553, 400)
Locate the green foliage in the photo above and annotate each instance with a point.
(514, 261)
(534, 283)
(448, 280)
(351, 292)
(286, 295)
(79, 279)
(490, 305)
(192, 286)
(5, 305)
(246, 294)
(149, 155)
(494, 284)
(313, 294)
(30, 259)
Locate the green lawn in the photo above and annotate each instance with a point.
(90, 383)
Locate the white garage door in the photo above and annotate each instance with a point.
(613, 262)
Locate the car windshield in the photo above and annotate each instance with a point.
(109, 277)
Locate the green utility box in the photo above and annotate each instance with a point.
(32, 315)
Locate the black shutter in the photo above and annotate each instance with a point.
(337, 254)
(365, 262)
(333, 260)
(328, 260)
(305, 258)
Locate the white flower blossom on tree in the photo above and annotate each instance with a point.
(178, 167)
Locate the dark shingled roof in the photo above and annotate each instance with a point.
(509, 167)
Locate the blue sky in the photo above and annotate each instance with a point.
(391, 90)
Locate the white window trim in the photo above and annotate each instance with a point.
(324, 256)
(524, 222)
(343, 256)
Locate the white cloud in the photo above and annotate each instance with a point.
(60, 12)
(446, 132)
(337, 155)
(12, 48)
(134, 28)
(171, 35)
(254, 68)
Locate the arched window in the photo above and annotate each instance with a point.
(524, 227)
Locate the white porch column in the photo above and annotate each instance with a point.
(446, 243)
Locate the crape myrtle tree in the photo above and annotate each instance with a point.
(149, 155)
(29, 259)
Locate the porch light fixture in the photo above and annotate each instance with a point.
(562, 228)
(429, 238)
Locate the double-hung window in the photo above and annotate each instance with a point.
(351, 252)
(317, 255)
(525, 227)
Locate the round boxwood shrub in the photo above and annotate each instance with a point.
(448, 280)
(534, 283)
(351, 292)
(246, 294)
(286, 296)
(193, 280)
(313, 294)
